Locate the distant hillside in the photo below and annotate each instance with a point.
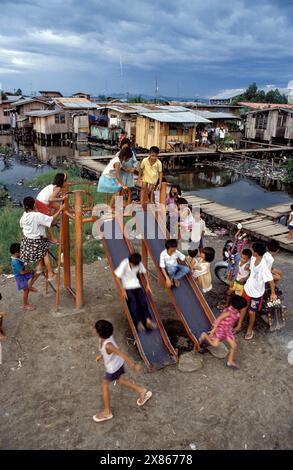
(124, 96)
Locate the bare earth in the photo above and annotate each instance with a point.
(50, 380)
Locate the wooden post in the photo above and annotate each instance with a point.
(78, 249)
(66, 240)
(144, 254)
(163, 193)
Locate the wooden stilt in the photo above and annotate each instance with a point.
(78, 249)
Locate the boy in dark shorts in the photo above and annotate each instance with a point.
(254, 288)
(114, 360)
(127, 272)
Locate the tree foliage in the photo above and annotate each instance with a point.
(289, 168)
(254, 95)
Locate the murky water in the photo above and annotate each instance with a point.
(31, 160)
(229, 188)
(222, 186)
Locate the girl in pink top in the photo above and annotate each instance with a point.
(223, 328)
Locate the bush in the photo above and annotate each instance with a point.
(289, 168)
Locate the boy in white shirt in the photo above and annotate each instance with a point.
(254, 288)
(127, 273)
(171, 270)
(273, 248)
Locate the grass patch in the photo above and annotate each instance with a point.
(10, 231)
(42, 180)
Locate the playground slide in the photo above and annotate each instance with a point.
(187, 299)
(154, 345)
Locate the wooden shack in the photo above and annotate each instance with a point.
(5, 111)
(68, 119)
(164, 129)
(270, 125)
(49, 124)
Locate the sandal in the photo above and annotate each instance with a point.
(142, 401)
(33, 289)
(28, 307)
(99, 418)
(249, 336)
(232, 365)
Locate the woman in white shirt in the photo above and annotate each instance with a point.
(49, 198)
(110, 180)
(34, 245)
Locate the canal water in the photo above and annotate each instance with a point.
(223, 186)
(228, 188)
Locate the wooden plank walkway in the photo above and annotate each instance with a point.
(274, 212)
(256, 224)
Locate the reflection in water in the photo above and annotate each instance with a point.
(220, 185)
(209, 177)
(55, 155)
(229, 189)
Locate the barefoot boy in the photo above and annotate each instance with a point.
(150, 171)
(127, 273)
(24, 277)
(114, 360)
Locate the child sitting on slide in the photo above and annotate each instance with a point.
(171, 270)
(127, 273)
(200, 267)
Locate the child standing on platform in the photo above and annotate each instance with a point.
(150, 172)
(24, 277)
(114, 360)
(171, 270)
(110, 181)
(223, 328)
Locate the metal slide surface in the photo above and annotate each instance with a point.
(154, 346)
(187, 299)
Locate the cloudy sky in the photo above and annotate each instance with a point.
(193, 47)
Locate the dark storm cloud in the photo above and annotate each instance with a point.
(199, 46)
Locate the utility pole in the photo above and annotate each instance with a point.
(156, 91)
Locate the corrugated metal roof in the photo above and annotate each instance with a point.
(228, 94)
(27, 101)
(215, 115)
(43, 113)
(180, 117)
(257, 106)
(142, 108)
(10, 99)
(75, 103)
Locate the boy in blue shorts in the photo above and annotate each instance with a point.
(24, 277)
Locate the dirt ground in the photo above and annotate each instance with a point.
(50, 380)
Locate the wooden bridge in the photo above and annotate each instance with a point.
(261, 224)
